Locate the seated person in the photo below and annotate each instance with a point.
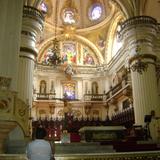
(39, 149)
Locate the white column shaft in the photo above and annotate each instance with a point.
(144, 93)
(10, 31)
(25, 78)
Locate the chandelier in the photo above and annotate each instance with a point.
(54, 58)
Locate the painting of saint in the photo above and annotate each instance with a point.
(69, 54)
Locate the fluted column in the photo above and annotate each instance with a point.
(10, 31)
(157, 51)
(32, 25)
(139, 34)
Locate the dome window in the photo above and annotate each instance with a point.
(43, 7)
(95, 12)
(69, 17)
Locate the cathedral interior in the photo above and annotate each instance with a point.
(86, 70)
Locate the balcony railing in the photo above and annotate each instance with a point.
(119, 88)
(45, 96)
(116, 90)
(94, 97)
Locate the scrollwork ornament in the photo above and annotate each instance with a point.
(139, 66)
(5, 83)
(21, 112)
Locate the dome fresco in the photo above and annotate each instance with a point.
(93, 23)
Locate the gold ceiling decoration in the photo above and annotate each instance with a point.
(69, 13)
(69, 16)
(54, 58)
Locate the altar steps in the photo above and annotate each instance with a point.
(81, 148)
(131, 146)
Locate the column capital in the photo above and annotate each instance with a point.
(32, 26)
(138, 28)
(34, 14)
(138, 20)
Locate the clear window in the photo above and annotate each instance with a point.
(43, 7)
(95, 12)
(69, 17)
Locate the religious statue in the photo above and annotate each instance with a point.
(67, 112)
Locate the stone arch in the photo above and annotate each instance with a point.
(111, 35)
(46, 44)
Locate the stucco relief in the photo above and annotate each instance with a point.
(5, 83)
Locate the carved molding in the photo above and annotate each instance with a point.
(12, 109)
(5, 83)
(142, 56)
(139, 65)
(33, 13)
(139, 20)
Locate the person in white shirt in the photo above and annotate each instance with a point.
(39, 149)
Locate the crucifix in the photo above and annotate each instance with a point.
(67, 112)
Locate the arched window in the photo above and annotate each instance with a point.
(95, 12)
(43, 7)
(117, 44)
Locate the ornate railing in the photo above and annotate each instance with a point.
(45, 96)
(117, 89)
(94, 97)
(123, 87)
(54, 126)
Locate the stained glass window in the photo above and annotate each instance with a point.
(43, 7)
(95, 11)
(69, 54)
(69, 17)
(69, 90)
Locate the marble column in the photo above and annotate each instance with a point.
(32, 25)
(139, 34)
(157, 51)
(10, 33)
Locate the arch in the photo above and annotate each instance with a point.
(127, 7)
(46, 44)
(111, 35)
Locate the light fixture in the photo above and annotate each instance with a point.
(54, 58)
